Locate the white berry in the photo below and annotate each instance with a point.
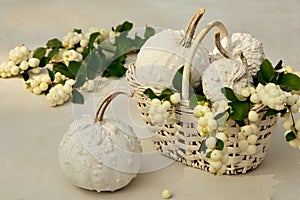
(166, 194)
(253, 116)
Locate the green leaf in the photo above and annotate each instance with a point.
(51, 75)
(239, 110)
(167, 91)
(126, 26)
(203, 147)
(267, 71)
(177, 79)
(219, 145)
(149, 32)
(25, 75)
(194, 99)
(290, 136)
(279, 65)
(221, 118)
(208, 155)
(92, 39)
(107, 46)
(123, 45)
(54, 43)
(271, 112)
(114, 70)
(165, 94)
(53, 52)
(240, 123)
(77, 97)
(260, 79)
(80, 80)
(138, 42)
(44, 61)
(77, 30)
(62, 68)
(150, 93)
(93, 64)
(290, 81)
(74, 67)
(229, 93)
(39, 53)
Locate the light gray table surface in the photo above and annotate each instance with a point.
(30, 130)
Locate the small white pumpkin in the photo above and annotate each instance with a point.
(102, 155)
(165, 52)
(225, 72)
(251, 47)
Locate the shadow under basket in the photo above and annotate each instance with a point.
(178, 137)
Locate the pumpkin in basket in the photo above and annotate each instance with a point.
(101, 154)
(165, 53)
(251, 47)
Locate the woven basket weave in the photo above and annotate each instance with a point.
(179, 140)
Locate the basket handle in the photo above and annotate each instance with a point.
(106, 101)
(193, 48)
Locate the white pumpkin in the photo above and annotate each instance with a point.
(251, 47)
(165, 52)
(101, 156)
(223, 73)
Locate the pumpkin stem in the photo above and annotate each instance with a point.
(106, 101)
(190, 31)
(243, 58)
(193, 49)
(219, 45)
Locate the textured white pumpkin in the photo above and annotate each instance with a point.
(224, 73)
(101, 156)
(251, 47)
(162, 55)
(165, 52)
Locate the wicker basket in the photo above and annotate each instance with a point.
(179, 140)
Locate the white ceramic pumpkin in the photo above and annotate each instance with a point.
(165, 52)
(225, 72)
(102, 155)
(251, 47)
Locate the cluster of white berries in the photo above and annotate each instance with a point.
(18, 61)
(270, 95)
(206, 122)
(247, 138)
(104, 33)
(39, 84)
(88, 86)
(8, 69)
(60, 93)
(293, 102)
(58, 77)
(158, 111)
(19, 54)
(288, 125)
(73, 38)
(218, 158)
(71, 55)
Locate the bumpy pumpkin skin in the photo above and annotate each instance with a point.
(162, 55)
(223, 73)
(251, 48)
(101, 157)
